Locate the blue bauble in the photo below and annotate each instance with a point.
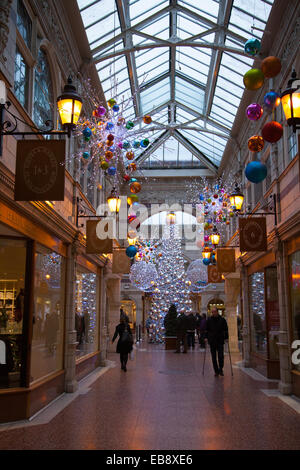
(144, 143)
(252, 47)
(116, 108)
(206, 261)
(201, 197)
(132, 180)
(109, 126)
(87, 132)
(86, 155)
(256, 172)
(136, 144)
(126, 144)
(111, 170)
(131, 251)
(271, 99)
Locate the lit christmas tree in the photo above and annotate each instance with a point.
(171, 286)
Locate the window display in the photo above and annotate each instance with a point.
(257, 313)
(48, 319)
(12, 294)
(86, 316)
(295, 296)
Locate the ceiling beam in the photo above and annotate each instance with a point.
(175, 173)
(222, 128)
(196, 152)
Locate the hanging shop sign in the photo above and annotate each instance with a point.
(213, 275)
(94, 244)
(121, 262)
(225, 260)
(253, 234)
(40, 170)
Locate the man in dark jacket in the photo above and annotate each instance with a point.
(181, 329)
(217, 333)
(192, 322)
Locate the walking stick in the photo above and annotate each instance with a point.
(204, 358)
(230, 358)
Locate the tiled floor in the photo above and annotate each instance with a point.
(164, 402)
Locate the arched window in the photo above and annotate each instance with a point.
(43, 91)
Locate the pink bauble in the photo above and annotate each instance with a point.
(254, 112)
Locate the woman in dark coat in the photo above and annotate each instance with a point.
(125, 342)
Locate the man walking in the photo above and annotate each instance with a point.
(181, 332)
(217, 333)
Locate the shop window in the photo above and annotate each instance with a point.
(43, 94)
(295, 296)
(21, 79)
(86, 312)
(24, 23)
(257, 313)
(48, 319)
(272, 311)
(12, 295)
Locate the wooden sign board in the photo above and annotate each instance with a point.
(213, 275)
(253, 234)
(40, 170)
(225, 260)
(121, 263)
(94, 244)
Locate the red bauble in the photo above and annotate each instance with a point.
(126, 177)
(272, 131)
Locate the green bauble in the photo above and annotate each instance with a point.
(253, 79)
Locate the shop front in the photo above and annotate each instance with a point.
(264, 316)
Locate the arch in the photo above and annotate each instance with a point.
(216, 302)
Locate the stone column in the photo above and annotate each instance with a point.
(113, 288)
(232, 291)
(246, 317)
(70, 333)
(285, 384)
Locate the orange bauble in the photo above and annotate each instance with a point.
(271, 66)
(135, 187)
(109, 143)
(130, 155)
(256, 143)
(147, 119)
(132, 166)
(108, 155)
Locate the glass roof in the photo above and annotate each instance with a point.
(160, 53)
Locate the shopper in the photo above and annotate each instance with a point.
(181, 333)
(192, 321)
(217, 333)
(125, 342)
(202, 329)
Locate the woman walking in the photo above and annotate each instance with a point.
(125, 342)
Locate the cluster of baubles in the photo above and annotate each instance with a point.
(272, 131)
(108, 137)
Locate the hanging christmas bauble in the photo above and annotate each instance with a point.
(147, 119)
(253, 79)
(121, 121)
(104, 165)
(256, 143)
(100, 111)
(252, 47)
(108, 155)
(129, 125)
(109, 126)
(256, 172)
(111, 102)
(126, 177)
(132, 166)
(87, 132)
(272, 131)
(135, 187)
(271, 100)
(120, 145)
(126, 144)
(136, 144)
(271, 66)
(109, 143)
(110, 137)
(254, 111)
(116, 108)
(130, 155)
(86, 155)
(144, 143)
(206, 261)
(111, 171)
(131, 251)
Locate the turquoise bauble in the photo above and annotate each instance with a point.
(206, 261)
(87, 132)
(131, 251)
(252, 47)
(126, 144)
(136, 144)
(86, 155)
(256, 172)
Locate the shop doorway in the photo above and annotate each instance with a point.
(218, 303)
(129, 307)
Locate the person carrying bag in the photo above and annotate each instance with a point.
(125, 342)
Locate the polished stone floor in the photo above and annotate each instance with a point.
(164, 402)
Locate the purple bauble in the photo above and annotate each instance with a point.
(254, 112)
(101, 110)
(120, 145)
(206, 238)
